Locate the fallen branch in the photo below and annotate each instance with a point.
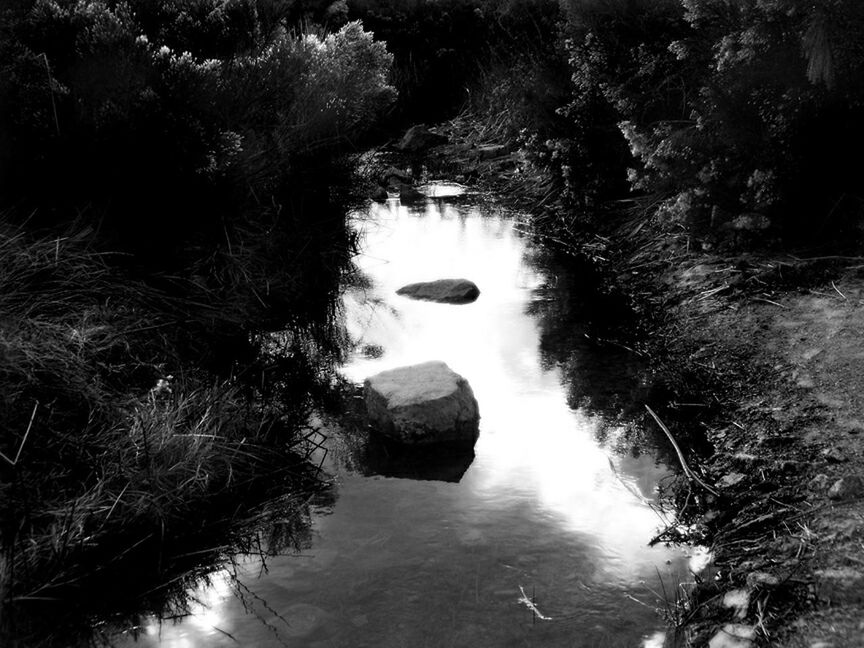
(14, 462)
(838, 291)
(692, 476)
(768, 301)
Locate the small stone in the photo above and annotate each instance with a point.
(733, 635)
(445, 291)
(372, 351)
(710, 517)
(847, 488)
(834, 455)
(730, 480)
(821, 644)
(819, 484)
(762, 579)
(745, 458)
(811, 353)
(750, 222)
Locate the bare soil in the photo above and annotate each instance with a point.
(784, 356)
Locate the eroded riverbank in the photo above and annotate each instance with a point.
(781, 358)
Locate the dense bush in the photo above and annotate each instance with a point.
(729, 109)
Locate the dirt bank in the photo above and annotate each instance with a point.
(768, 350)
(777, 343)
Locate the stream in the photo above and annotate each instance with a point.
(549, 513)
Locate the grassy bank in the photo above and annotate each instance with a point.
(174, 184)
(752, 360)
(121, 447)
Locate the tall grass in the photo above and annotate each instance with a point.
(117, 445)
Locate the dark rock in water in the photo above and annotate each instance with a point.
(445, 291)
(422, 404)
(419, 138)
(379, 194)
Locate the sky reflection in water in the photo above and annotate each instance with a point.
(543, 507)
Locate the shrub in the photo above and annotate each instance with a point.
(727, 108)
(98, 112)
(207, 145)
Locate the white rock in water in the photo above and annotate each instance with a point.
(447, 291)
(424, 403)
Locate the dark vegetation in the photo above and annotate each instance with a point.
(174, 180)
(720, 117)
(442, 49)
(174, 184)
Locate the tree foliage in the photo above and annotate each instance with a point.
(728, 109)
(175, 114)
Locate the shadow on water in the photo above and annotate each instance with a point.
(377, 456)
(596, 340)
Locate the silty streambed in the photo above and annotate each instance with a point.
(441, 555)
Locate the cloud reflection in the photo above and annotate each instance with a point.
(533, 446)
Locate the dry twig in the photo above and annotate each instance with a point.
(692, 476)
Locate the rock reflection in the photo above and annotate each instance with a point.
(439, 463)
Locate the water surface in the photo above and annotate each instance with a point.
(441, 557)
